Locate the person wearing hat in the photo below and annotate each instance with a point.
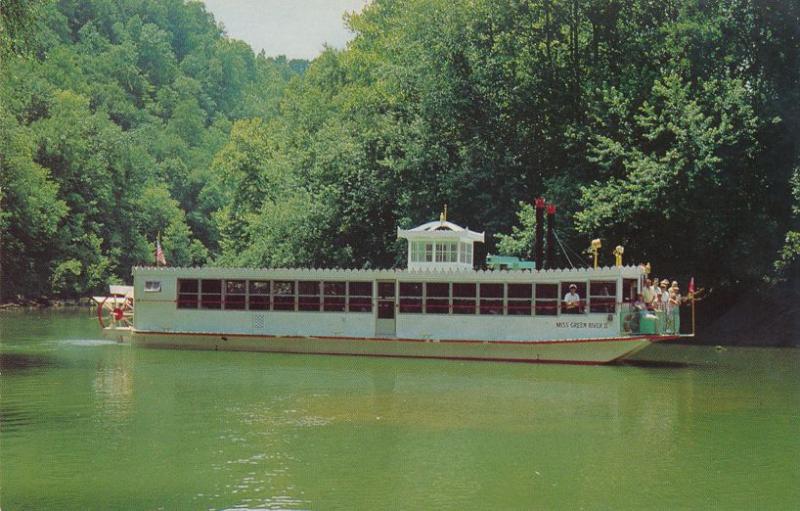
(572, 301)
(663, 294)
(674, 307)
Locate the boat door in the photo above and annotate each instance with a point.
(385, 321)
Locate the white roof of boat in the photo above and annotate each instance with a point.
(610, 272)
(440, 229)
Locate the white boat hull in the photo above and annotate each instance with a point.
(578, 351)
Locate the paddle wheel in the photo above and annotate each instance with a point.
(115, 311)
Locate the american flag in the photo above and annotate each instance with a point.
(160, 259)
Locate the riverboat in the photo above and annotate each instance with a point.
(438, 307)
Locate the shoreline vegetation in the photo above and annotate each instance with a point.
(667, 128)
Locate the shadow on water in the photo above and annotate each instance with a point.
(660, 364)
(25, 361)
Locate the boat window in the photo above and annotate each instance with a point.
(629, 290)
(283, 296)
(188, 293)
(417, 251)
(546, 299)
(465, 252)
(437, 297)
(386, 300)
(428, 252)
(334, 296)
(602, 296)
(235, 294)
(359, 295)
(519, 299)
(410, 297)
(491, 299)
(464, 298)
(211, 294)
(308, 295)
(446, 252)
(386, 290)
(152, 286)
(578, 307)
(258, 297)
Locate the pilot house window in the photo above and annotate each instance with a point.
(446, 252)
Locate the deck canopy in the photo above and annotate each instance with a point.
(440, 245)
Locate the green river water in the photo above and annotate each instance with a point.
(89, 424)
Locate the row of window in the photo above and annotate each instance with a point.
(412, 297)
(441, 252)
(286, 295)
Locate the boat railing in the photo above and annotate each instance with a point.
(635, 321)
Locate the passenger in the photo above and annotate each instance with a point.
(647, 293)
(639, 305)
(674, 307)
(638, 312)
(609, 305)
(663, 295)
(656, 295)
(572, 301)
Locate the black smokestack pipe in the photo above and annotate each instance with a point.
(551, 239)
(538, 246)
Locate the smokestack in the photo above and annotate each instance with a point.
(538, 246)
(551, 239)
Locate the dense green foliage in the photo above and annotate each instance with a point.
(667, 127)
(110, 117)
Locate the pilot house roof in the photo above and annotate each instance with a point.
(440, 229)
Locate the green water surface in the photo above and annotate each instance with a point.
(89, 424)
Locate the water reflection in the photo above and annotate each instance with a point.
(24, 361)
(206, 430)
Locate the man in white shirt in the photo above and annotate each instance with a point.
(647, 293)
(572, 301)
(664, 295)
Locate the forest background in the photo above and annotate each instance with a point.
(670, 127)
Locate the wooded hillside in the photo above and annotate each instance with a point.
(668, 127)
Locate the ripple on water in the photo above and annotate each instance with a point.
(88, 342)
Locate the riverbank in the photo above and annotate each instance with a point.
(758, 320)
(44, 303)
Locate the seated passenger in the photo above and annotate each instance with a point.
(637, 312)
(572, 301)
